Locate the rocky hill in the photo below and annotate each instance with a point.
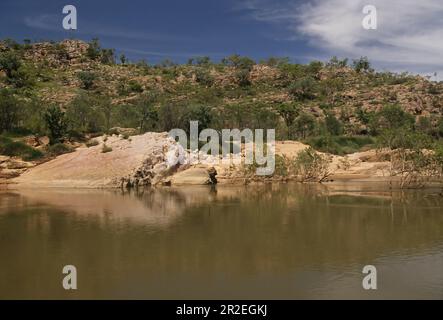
(318, 88)
(58, 97)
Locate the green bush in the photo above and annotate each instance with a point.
(304, 126)
(333, 125)
(87, 79)
(311, 166)
(340, 145)
(56, 123)
(134, 86)
(9, 147)
(440, 127)
(58, 149)
(10, 63)
(361, 64)
(391, 117)
(92, 143)
(93, 50)
(303, 89)
(9, 110)
(203, 77)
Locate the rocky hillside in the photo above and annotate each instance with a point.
(251, 94)
(59, 97)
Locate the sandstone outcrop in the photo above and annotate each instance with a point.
(156, 159)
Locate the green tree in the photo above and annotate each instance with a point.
(242, 77)
(333, 125)
(239, 62)
(107, 109)
(204, 77)
(148, 115)
(391, 117)
(9, 110)
(23, 77)
(440, 127)
(424, 125)
(311, 166)
(123, 59)
(200, 113)
(80, 112)
(107, 56)
(334, 62)
(56, 123)
(10, 63)
(362, 65)
(289, 112)
(304, 126)
(93, 51)
(303, 89)
(87, 79)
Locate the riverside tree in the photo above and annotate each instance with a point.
(56, 123)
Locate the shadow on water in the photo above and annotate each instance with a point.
(268, 241)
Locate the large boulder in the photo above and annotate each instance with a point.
(127, 162)
(199, 175)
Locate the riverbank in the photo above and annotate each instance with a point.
(150, 159)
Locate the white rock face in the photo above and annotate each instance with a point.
(139, 160)
(142, 160)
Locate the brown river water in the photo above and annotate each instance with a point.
(286, 241)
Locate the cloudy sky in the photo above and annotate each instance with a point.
(409, 34)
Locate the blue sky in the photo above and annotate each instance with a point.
(409, 35)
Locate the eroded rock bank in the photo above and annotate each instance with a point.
(113, 162)
(156, 159)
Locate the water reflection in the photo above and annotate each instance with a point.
(267, 241)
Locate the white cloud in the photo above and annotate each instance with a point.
(409, 35)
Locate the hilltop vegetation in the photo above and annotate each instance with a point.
(72, 90)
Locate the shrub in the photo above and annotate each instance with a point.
(20, 149)
(87, 79)
(56, 123)
(93, 51)
(333, 125)
(334, 62)
(340, 145)
(89, 113)
(303, 89)
(9, 110)
(440, 127)
(147, 113)
(304, 126)
(311, 166)
(134, 86)
(123, 59)
(239, 62)
(361, 64)
(391, 117)
(92, 143)
(107, 56)
(289, 112)
(10, 63)
(58, 149)
(424, 125)
(203, 77)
